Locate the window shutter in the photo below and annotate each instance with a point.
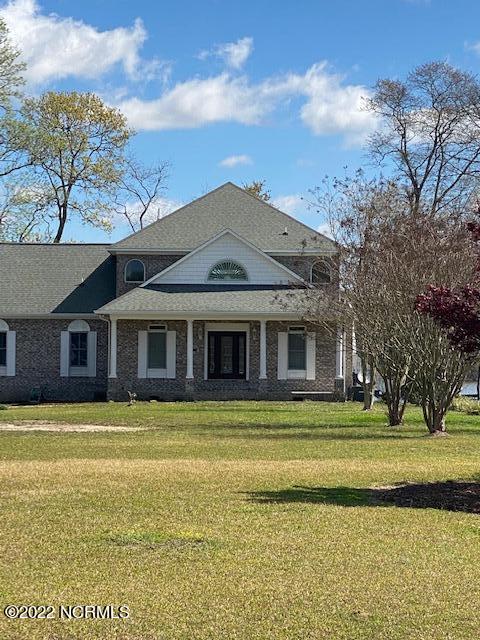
(311, 353)
(92, 353)
(11, 353)
(64, 353)
(142, 353)
(282, 366)
(171, 354)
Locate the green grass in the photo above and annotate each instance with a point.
(241, 520)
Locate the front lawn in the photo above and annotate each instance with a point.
(241, 520)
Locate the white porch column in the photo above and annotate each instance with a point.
(113, 348)
(190, 349)
(339, 372)
(263, 349)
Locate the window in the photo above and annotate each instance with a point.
(321, 273)
(157, 350)
(78, 349)
(227, 270)
(3, 349)
(134, 271)
(296, 349)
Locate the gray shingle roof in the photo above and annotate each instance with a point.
(227, 207)
(43, 279)
(204, 299)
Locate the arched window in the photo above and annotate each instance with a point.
(134, 271)
(321, 273)
(227, 270)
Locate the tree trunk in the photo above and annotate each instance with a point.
(368, 381)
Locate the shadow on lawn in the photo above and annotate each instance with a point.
(451, 495)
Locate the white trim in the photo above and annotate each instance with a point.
(78, 326)
(51, 316)
(227, 326)
(4, 326)
(326, 264)
(310, 355)
(11, 353)
(189, 349)
(296, 374)
(156, 373)
(142, 349)
(171, 355)
(263, 350)
(282, 267)
(92, 354)
(271, 252)
(282, 355)
(125, 271)
(207, 315)
(64, 354)
(112, 348)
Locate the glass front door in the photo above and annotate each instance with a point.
(227, 354)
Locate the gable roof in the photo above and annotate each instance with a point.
(42, 279)
(227, 207)
(163, 275)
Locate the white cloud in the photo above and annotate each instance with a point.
(234, 54)
(331, 107)
(288, 204)
(234, 161)
(326, 229)
(56, 47)
(196, 103)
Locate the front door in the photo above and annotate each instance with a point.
(227, 354)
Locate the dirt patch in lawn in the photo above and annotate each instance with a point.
(45, 425)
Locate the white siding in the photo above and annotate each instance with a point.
(195, 269)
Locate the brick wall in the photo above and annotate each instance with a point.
(153, 265)
(199, 388)
(38, 363)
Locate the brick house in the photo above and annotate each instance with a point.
(191, 307)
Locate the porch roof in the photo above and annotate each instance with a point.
(205, 299)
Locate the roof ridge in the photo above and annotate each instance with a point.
(55, 244)
(287, 215)
(137, 233)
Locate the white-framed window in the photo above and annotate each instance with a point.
(78, 351)
(321, 272)
(134, 271)
(7, 350)
(297, 352)
(227, 271)
(157, 352)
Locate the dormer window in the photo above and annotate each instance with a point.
(134, 271)
(321, 273)
(227, 271)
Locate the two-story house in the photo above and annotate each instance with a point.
(205, 303)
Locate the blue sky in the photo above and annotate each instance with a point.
(239, 90)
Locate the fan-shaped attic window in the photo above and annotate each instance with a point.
(134, 271)
(321, 273)
(227, 270)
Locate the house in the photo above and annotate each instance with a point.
(205, 303)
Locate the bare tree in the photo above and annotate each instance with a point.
(139, 191)
(429, 131)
